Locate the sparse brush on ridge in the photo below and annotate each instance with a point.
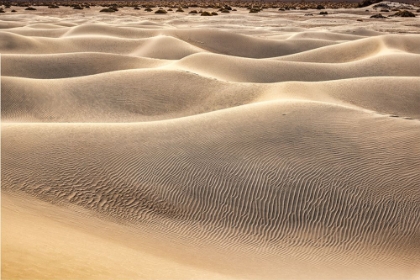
(381, 5)
(377, 16)
(300, 5)
(366, 3)
(107, 10)
(404, 13)
(161, 11)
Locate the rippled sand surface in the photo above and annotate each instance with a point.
(240, 146)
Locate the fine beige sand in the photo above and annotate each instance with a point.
(275, 145)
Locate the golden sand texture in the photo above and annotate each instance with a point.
(241, 146)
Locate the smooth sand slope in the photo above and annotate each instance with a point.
(242, 146)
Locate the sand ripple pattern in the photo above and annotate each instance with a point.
(296, 146)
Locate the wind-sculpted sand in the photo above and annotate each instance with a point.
(239, 146)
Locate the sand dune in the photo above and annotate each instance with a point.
(147, 95)
(240, 146)
(239, 180)
(103, 39)
(56, 66)
(14, 43)
(97, 98)
(360, 49)
(246, 70)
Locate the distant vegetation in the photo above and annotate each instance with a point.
(366, 3)
(161, 11)
(225, 5)
(199, 7)
(404, 13)
(107, 10)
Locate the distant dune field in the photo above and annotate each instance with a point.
(274, 145)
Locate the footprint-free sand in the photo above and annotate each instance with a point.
(274, 145)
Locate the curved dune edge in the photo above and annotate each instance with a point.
(359, 49)
(141, 43)
(273, 146)
(151, 95)
(270, 71)
(229, 68)
(67, 65)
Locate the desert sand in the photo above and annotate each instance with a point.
(270, 145)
